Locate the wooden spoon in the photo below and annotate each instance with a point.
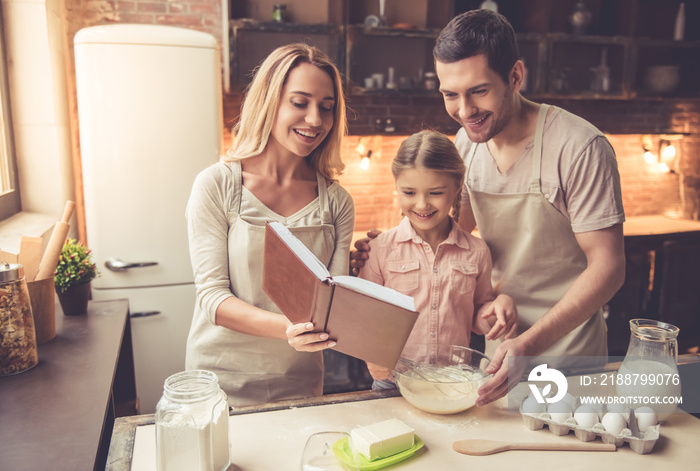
(487, 447)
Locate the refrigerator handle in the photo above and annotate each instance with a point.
(115, 264)
(144, 314)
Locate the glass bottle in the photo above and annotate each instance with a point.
(18, 350)
(601, 74)
(192, 423)
(580, 18)
(649, 371)
(279, 13)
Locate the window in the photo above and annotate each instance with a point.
(9, 194)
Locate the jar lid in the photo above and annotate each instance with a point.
(10, 272)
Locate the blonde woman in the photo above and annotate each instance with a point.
(281, 167)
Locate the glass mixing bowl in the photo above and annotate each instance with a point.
(447, 384)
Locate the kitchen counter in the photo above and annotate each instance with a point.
(634, 226)
(659, 226)
(272, 437)
(60, 414)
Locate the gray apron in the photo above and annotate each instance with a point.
(255, 370)
(536, 257)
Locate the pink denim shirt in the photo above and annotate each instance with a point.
(448, 286)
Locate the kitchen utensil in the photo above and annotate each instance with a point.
(47, 267)
(378, 80)
(447, 383)
(344, 452)
(382, 18)
(478, 447)
(662, 78)
(42, 294)
(30, 256)
(372, 21)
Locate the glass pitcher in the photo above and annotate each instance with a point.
(649, 375)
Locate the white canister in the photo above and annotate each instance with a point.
(192, 423)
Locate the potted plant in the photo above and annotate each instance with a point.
(74, 272)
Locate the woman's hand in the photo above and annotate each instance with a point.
(302, 339)
(379, 373)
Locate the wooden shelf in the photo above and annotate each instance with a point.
(637, 34)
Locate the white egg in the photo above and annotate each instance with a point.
(586, 416)
(646, 417)
(598, 408)
(614, 423)
(615, 407)
(570, 399)
(531, 406)
(559, 411)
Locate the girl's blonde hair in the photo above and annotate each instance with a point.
(432, 151)
(262, 100)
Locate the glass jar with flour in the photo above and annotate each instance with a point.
(192, 423)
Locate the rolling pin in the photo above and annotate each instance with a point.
(47, 267)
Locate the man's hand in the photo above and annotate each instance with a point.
(497, 387)
(302, 339)
(358, 257)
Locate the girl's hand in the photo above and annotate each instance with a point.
(504, 317)
(302, 339)
(379, 372)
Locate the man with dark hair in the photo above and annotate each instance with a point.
(543, 188)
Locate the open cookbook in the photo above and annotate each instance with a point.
(367, 320)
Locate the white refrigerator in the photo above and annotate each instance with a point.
(150, 112)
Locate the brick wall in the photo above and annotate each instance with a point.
(201, 15)
(645, 190)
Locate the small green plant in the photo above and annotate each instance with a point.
(75, 266)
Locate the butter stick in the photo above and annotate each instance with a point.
(382, 439)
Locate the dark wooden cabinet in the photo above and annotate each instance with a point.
(636, 36)
(662, 282)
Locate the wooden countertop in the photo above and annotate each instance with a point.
(634, 226)
(658, 225)
(54, 415)
(272, 437)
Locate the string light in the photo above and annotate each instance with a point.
(664, 159)
(364, 162)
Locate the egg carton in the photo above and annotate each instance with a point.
(641, 443)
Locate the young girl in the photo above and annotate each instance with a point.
(427, 256)
(282, 166)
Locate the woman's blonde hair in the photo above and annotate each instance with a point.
(432, 151)
(262, 100)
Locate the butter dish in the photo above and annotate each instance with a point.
(344, 453)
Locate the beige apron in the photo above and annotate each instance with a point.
(535, 255)
(257, 369)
